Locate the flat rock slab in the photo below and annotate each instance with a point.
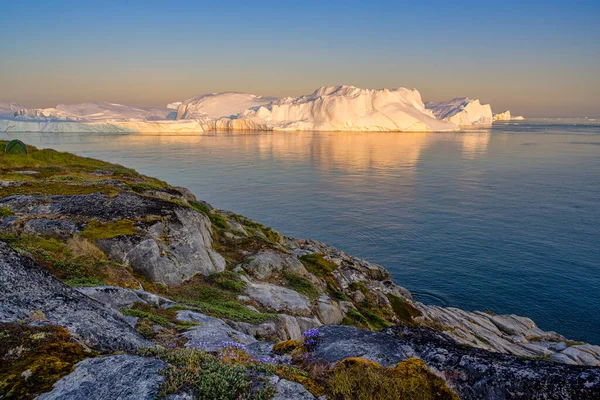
(120, 377)
(27, 288)
(212, 332)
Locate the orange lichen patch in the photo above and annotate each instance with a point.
(360, 379)
(34, 358)
(287, 346)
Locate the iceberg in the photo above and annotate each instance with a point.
(92, 112)
(341, 108)
(462, 111)
(216, 105)
(329, 108)
(505, 116)
(9, 108)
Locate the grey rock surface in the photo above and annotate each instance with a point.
(119, 377)
(27, 288)
(267, 262)
(278, 298)
(170, 252)
(212, 332)
(473, 373)
(288, 390)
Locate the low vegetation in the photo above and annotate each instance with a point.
(360, 379)
(34, 357)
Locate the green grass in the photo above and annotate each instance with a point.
(5, 212)
(229, 309)
(83, 282)
(38, 159)
(96, 230)
(404, 311)
(227, 280)
(147, 185)
(216, 219)
(301, 285)
(318, 265)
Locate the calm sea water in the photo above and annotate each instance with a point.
(505, 219)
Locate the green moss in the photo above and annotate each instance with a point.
(58, 188)
(46, 158)
(360, 379)
(301, 285)
(83, 282)
(208, 376)
(147, 185)
(231, 310)
(5, 212)
(318, 265)
(34, 358)
(375, 321)
(404, 310)
(227, 280)
(96, 230)
(354, 318)
(146, 315)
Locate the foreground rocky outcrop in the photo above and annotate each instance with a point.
(128, 263)
(28, 291)
(473, 373)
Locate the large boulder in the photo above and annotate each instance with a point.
(28, 289)
(170, 252)
(278, 299)
(267, 262)
(122, 377)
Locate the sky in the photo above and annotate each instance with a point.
(537, 58)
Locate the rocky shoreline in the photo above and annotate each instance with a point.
(126, 263)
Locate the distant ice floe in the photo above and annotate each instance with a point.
(329, 108)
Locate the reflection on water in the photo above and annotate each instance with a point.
(503, 219)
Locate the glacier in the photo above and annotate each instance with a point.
(328, 108)
(462, 111)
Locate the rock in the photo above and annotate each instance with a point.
(328, 313)
(188, 250)
(288, 390)
(112, 296)
(154, 299)
(473, 373)
(337, 342)
(58, 228)
(290, 327)
(510, 334)
(122, 377)
(278, 299)
(267, 262)
(169, 251)
(27, 288)
(211, 333)
(265, 331)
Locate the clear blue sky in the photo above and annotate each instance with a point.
(537, 58)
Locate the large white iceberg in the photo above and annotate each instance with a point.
(329, 108)
(97, 117)
(462, 111)
(93, 112)
(341, 108)
(216, 105)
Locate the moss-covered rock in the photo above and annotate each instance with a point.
(34, 358)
